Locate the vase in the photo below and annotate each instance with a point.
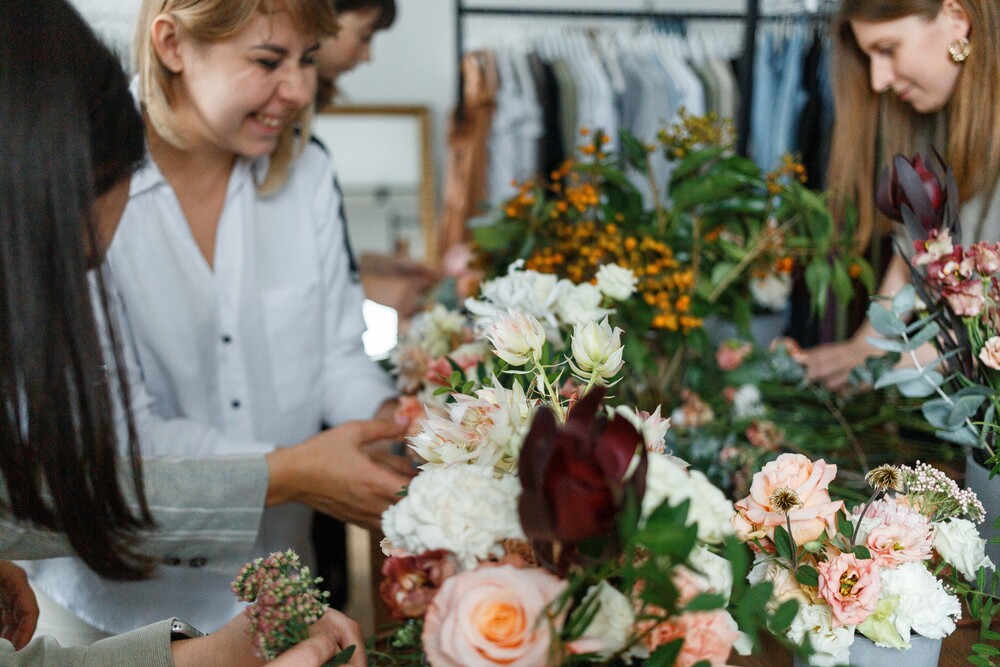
(977, 478)
(923, 652)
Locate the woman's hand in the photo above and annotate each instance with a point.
(18, 606)
(233, 645)
(831, 364)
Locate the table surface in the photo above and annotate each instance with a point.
(954, 651)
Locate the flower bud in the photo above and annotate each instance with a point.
(517, 338)
(597, 350)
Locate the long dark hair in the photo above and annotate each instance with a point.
(69, 131)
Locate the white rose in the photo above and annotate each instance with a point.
(436, 513)
(597, 350)
(925, 607)
(668, 482)
(616, 281)
(611, 627)
(958, 542)
(785, 586)
(832, 645)
(517, 338)
(579, 303)
(771, 291)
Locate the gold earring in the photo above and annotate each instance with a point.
(959, 49)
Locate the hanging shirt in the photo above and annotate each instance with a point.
(265, 347)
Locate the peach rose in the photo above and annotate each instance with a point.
(851, 587)
(990, 354)
(490, 616)
(809, 480)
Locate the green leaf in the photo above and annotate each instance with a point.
(705, 602)
(666, 655)
(693, 162)
(964, 407)
(783, 543)
(904, 300)
(633, 151)
(844, 525)
(862, 552)
(867, 276)
(341, 658)
(783, 616)
(497, 236)
(885, 321)
(807, 575)
(843, 287)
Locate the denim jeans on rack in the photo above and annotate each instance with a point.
(777, 95)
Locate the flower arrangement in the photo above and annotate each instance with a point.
(956, 298)
(547, 528)
(727, 245)
(894, 566)
(287, 601)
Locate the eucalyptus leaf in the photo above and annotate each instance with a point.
(962, 436)
(904, 300)
(963, 408)
(884, 321)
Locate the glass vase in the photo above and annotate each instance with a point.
(923, 652)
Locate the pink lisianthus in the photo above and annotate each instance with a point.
(937, 245)
(731, 353)
(986, 257)
(966, 298)
(492, 616)
(990, 354)
(895, 533)
(411, 582)
(851, 587)
(809, 480)
(949, 270)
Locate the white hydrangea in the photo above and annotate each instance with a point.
(616, 281)
(579, 303)
(925, 607)
(747, 402)
(487, 429)
(832, 645)
(436, 513)
(959, 543)
(436, 329)
(771, 291)
(667, 481)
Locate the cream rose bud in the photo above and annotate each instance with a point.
(597, 350)
(958, 542)
(616, 281)
(990, 354)
(517, 338)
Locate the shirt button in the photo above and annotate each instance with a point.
(226, 338)
(200, 561)
(171, 560)
(235, 403)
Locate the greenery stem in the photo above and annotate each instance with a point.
(864, 512)
(751, 255)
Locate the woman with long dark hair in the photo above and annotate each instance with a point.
(71, 139)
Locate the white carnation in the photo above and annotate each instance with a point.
(667, 481)
(529, 292)
(832, 645)
(616, 281)
(958, 542)
(924, 605)
(747, 402)
(579, 303)
(436, 513)
(771, 291)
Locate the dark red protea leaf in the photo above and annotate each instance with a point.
(913, 193)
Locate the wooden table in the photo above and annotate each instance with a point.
(954, 651)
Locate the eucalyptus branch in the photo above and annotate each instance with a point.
(841, 421)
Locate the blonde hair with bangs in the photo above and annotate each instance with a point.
(870, 128)
(210, 21)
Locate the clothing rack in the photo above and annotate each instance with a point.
(752, 18)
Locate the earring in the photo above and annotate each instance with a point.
(959, 49)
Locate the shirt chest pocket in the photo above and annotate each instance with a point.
(294, 324)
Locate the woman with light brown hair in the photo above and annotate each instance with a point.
(234, 279)
(910, 75)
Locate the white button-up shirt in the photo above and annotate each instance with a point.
(263, 349)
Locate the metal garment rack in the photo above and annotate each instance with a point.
(751, 16)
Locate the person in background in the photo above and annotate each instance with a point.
(910, 75)
(235, 285)
(70, 147)
(392, 280)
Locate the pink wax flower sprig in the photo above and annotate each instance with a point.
(287, 601)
